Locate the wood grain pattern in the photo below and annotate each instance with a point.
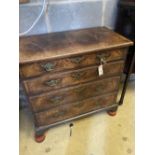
(60, 73)
(63, 44)
(49, 82)
(64, 64)
(73, 94)
(63, 112)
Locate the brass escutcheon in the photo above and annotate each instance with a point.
(103, 57)
(60, 113)
(77, 60)
(48, 66)
(78, 75)
(52, 83)
(56, 99)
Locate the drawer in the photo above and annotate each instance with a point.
(69, 95)
(50, 82)
(67, 111)
(39, 68)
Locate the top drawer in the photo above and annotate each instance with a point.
(39, 68)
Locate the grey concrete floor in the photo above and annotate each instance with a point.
(98, 134)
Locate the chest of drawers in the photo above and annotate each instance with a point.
(71, 74)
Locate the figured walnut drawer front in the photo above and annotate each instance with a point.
(51, 66)
(50, 82)
(68, 95)
(67, 111)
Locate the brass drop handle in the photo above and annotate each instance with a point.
(78, 75)
(59, 113)
(103, 57)
(53, 83)
(56, 99)
(48, 66)
(77, 60)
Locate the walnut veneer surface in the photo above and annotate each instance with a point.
(60, 75)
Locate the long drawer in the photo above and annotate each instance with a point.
(50, 82)
(74, 62)
(78, 93)
(63, 112)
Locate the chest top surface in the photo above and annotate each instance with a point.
(60, 44)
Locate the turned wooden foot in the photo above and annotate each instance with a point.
(39, 138)
(112, 112)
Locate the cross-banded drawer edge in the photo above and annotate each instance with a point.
(57, 114)
(68, 63)
(51, 82)
(73, 94)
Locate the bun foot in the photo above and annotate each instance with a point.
(39, 138)
(112, 113)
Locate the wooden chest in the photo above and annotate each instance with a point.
(71, 74)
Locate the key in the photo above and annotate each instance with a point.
(100, 67)
(103, 61)
(71, 125)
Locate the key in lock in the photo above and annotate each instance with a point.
(100, 67)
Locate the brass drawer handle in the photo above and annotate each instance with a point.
(77, 60)
(56, 99)
(78, 75)
(52, 83)
(59, 113)
(48, 66)
(103, 57)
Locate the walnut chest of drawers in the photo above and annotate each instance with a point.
(61, 77)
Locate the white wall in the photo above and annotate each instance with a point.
(64, 15)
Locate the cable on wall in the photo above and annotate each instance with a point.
(36, 21)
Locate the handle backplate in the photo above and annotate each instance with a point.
(53, 82)
(48, 66)
(78, 75)
(56, 99)
(77, 60)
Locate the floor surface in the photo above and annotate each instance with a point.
(98, 134)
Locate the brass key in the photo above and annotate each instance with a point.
(71, 125)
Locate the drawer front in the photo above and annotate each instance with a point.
(51, 66)
(69, 95)
(67, 111)
(50, 82)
